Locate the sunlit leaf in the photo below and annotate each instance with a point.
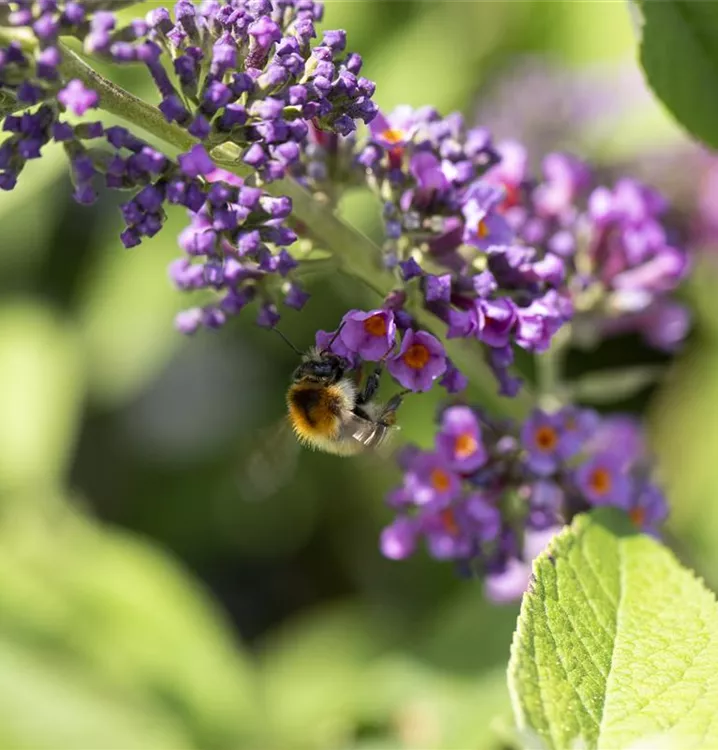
(616, 645)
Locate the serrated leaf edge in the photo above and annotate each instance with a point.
(569, 536)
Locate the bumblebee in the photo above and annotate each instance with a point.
(326, 411)
(329, 412)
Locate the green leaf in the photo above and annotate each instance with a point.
(114, 612)
(616, 645)
(679, 53)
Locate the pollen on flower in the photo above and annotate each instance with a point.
(600, 481)
(375, 325)
(416, 356)
(440, 480)
(481, 229)
(448, 520)
(465, 445)
(393, 135)
(546, 438)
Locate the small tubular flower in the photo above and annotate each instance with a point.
(419, 362)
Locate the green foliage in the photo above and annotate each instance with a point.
(127, 306)
(339, 675)
(110, 643)
(617, 644)
(39, 413)
(679, 53)
(76, 710)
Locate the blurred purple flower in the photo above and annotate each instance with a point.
(459, 440)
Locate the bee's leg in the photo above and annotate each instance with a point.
(388, 413)
(371, 386)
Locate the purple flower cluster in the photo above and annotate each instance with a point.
(490, 494)
(32, 85)
(495, 254)
(235, 246)
(448, 236)
(507, 259)
(244, 75)
(373, 337)
(621, 267)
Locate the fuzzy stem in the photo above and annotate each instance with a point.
(117, 101)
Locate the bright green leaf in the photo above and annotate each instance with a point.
(679, 53)
(617, 644)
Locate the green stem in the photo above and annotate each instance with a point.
(117, 101)
(357, 254)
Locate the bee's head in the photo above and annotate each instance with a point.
(321, 367)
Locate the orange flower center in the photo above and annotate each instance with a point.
(481, 229)
(465, 445)
(600, 481)
(416, 356)
(440, 480)
(638, 516)
(393, 135)
(448, 519)
(546, 438)
(375, 325)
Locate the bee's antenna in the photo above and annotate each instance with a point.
(333, 338)
(287, 341)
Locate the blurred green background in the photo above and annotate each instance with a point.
(147, 598)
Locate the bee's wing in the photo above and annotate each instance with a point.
(370, 435)
(272, 463)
